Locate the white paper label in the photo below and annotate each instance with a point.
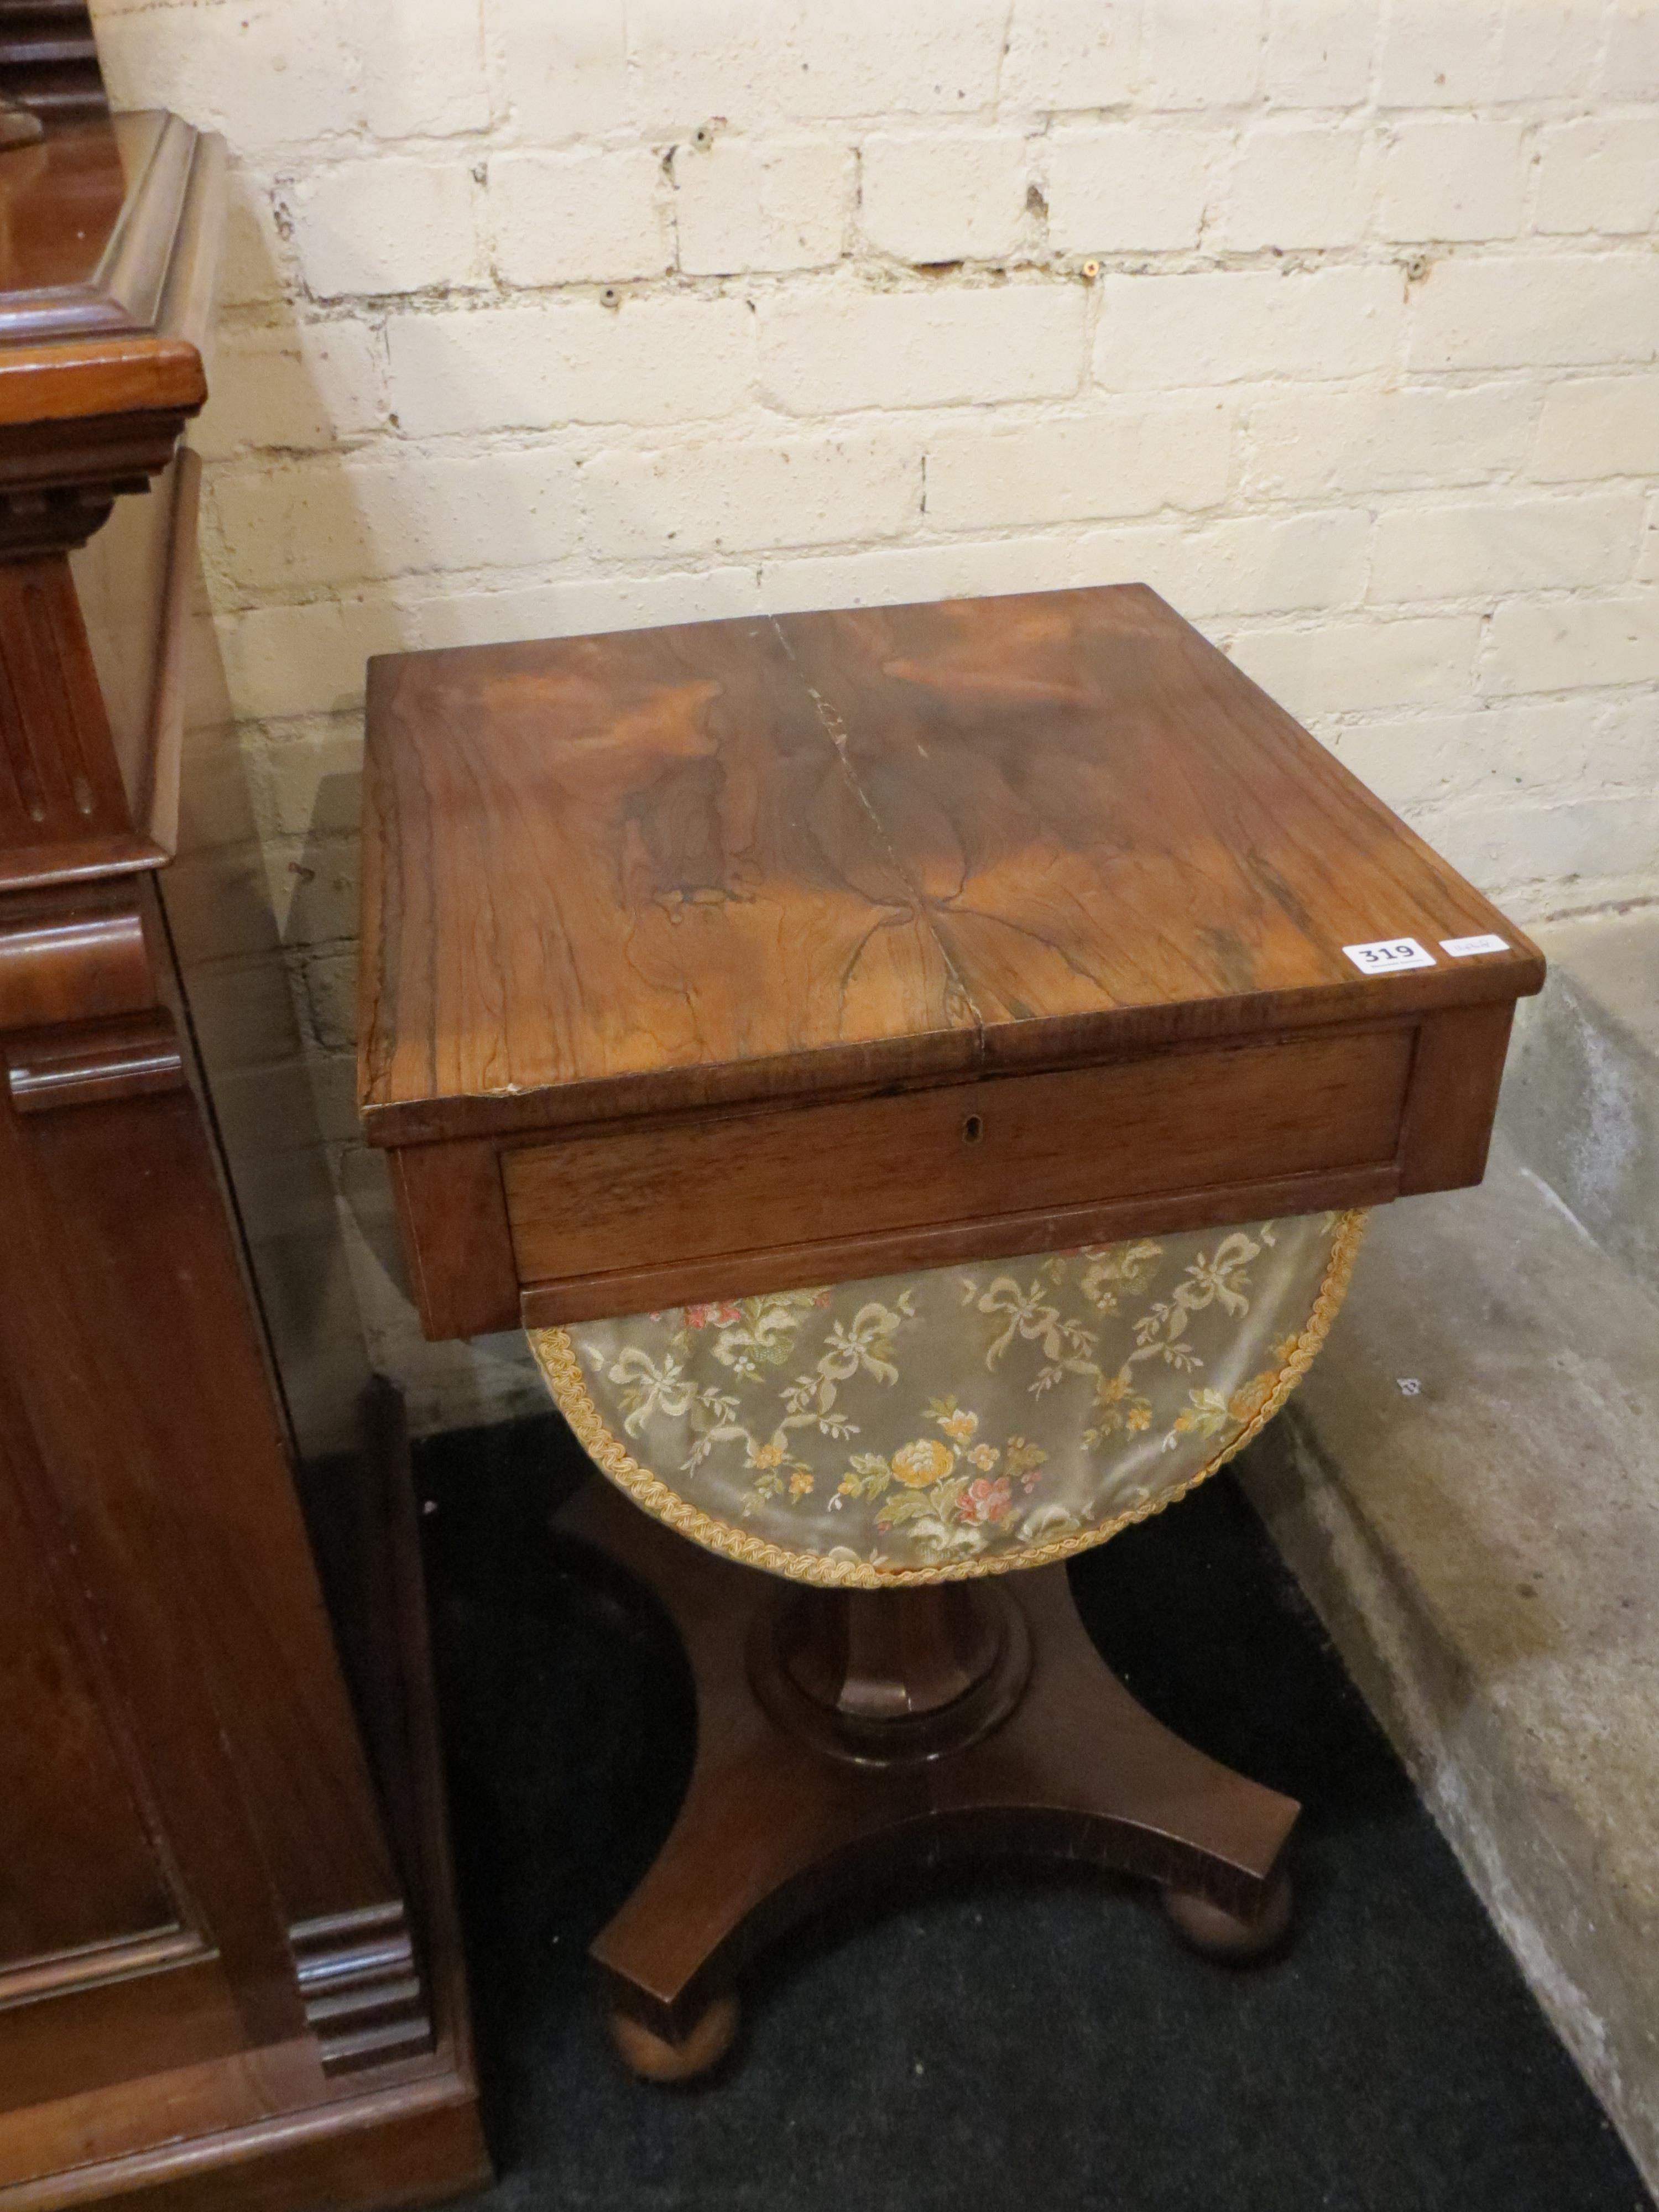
(1389, 955)
(1461, 947)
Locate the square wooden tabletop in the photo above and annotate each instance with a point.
(734, 861)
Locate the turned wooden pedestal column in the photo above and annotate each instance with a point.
(842, 1733)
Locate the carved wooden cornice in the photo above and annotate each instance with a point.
(108, 233)
(102, 318)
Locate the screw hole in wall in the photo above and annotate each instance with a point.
(972, 1129)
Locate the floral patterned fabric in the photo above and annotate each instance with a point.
(959, 1421)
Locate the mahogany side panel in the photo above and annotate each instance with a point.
(146, 1287)
(215, 1987)
(154, 1447)
(451, 1209)
(1456, 1080)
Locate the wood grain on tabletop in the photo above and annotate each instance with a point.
(735, 860)
(617, 856)
(1103, 813)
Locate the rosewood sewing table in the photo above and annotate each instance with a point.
(721, 960)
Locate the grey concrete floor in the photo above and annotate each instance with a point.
(1468, 1487)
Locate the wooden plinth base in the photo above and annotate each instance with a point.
(267, 2130)
(784, 1810)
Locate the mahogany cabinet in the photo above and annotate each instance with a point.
(227, 1970)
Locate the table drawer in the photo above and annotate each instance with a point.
(625, 1201)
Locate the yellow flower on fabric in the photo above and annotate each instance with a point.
(800, 1484)
(766, 1455)
(926, 1461)
(984, 1456)
(960, 1426)
(1140, 1415)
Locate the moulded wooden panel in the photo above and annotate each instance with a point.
(82, 1873)
(153, 2014)
(247, 2140)
(136, 1275)
(59, 778)
(101, 1964)
(957, 1153)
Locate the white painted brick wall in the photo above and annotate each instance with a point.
(1132, 458)
(1451, 177)
(1319, 54)
(1247, 326)
(1591, 427)
(1338, 324)
(399, 225)
(1299, 184)
(744, 498)
(669, 358)
(1069, 54)
(1600, 173)
(579, 217)
(423, 74)
(1129, 187)
(936, 198)
(850, 347)
(740, 208)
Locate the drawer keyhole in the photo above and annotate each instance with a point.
(972, 1129)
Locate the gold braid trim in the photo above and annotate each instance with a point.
(556, 1357)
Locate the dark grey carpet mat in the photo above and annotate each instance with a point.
(984, 2040)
